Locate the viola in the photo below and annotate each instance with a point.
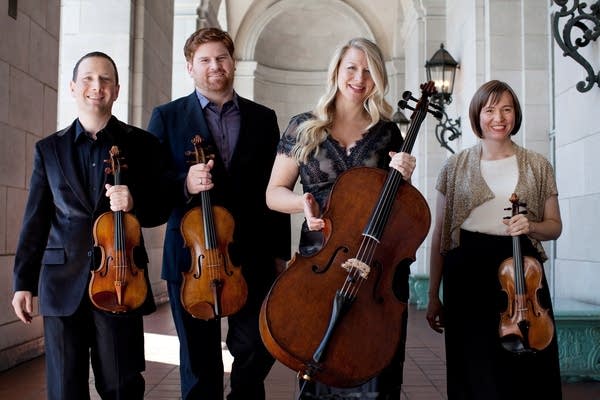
(117, 285)
(333, 316)
(525, 326)
(213, 287)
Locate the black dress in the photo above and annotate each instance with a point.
(317, 176)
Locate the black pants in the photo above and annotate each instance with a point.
(116, 346)
(201, 363)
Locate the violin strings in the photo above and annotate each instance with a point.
(518, 266)
(119, 245)
(209, 233)
(119, 234)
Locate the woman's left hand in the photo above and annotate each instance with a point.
(404, 163)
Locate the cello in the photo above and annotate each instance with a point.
(333, 316)
(117, 285)
(525, 326)
(213, 287)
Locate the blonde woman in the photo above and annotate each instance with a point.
(349, 127)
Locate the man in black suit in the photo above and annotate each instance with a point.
(69, 189)
(244, 135)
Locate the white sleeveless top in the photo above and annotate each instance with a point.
(501, 176)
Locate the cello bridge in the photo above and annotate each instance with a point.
(353, 263)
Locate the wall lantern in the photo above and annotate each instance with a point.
(588, 30)
(441, 69)
(402, 121)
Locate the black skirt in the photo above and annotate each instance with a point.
(478, 366)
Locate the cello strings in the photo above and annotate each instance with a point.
(390, 188)
(354, 279)
(368, 246)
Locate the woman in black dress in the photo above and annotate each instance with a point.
(349, 127)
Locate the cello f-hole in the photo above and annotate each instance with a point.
(318, 270)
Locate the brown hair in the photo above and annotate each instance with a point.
(206, 35)
(492, 91)
(95, 54)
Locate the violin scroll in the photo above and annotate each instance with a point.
(115, 163)
(200, 154)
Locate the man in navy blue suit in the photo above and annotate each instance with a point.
(68, 191)
(244, 135)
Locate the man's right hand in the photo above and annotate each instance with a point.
(199, 178)
(23, 304)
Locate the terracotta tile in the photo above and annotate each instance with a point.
(424, 369)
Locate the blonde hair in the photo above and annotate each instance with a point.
(311, 133)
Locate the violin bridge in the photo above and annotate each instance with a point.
(363, 269)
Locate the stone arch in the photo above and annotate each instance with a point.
(264, 15)
(283, 50)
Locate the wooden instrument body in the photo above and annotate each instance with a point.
(525, 306)
(296, 312)
(117, 285)
(525, 326)
(211, 265)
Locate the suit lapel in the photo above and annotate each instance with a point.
(65, 155)
(196, 124)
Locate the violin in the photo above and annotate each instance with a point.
(213, 287)
(117, 285)
(525, 326)
(333, 316)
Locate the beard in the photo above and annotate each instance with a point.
(216, 83)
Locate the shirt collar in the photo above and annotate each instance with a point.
(81, 133)
(205, 102)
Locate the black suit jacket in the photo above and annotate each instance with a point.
(56, 246)
(260, 234)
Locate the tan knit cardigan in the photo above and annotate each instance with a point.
(461, 182)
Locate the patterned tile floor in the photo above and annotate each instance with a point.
(424, 374)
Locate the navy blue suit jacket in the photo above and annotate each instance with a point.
(56, 245)
(260, 234)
